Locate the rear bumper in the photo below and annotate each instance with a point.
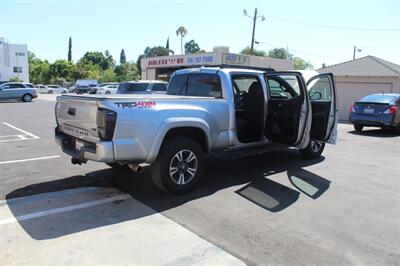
(124, 150)
(371, 120)
(102, 151)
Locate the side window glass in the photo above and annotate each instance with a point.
(283, 87)
(207, 85)
(320, 89)
(177, 85)
(159, 87)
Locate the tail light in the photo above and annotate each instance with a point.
(106, 120)
(391, 110)
(351, 109)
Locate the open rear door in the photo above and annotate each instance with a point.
(288, 119)
(322, 93)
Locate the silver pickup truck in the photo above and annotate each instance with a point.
(205, 110)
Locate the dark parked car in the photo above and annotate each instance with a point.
(82, 89)
(376, 110)
(142, 86)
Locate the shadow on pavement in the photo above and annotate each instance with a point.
(309, 183)
(255, 173)
(380, 133)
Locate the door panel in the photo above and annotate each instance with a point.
(322, 93)
(287, 108)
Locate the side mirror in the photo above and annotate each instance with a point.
(315, 95)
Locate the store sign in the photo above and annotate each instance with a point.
(235, 59)
(200, 60)
(167, 61)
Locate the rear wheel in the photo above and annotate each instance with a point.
(178, 166)
(313, 150)
(107, 92)
(27, 98)
(358, 127)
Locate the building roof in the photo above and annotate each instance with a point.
(364, 66)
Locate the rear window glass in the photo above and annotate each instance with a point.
(206, 85)
(379, 98)
(126, 88)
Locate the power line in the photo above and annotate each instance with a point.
(328, 45)
(330, 26)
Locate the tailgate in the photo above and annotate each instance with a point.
(76, 116)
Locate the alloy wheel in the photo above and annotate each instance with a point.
(183, 167)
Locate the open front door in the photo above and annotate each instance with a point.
(288, 110)
(322, 93)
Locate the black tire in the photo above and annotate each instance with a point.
(313, 150)
(170, 153)
(27, 98)
(358, 127)
(50, 92)
(107, 92)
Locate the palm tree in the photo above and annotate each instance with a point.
(183, 32)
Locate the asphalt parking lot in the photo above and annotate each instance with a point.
(273, 208)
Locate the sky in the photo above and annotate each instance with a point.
(316, 30)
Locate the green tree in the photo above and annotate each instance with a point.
(182, 31)
(247, 51)
(151, 52)
(70, 50)
(280, 53)
(126, 71)
(301, 64)
(192, 47)
(79, 71)
(61, 69)
(97, 58)
(109, 58)
(108, 76)
(122, 57)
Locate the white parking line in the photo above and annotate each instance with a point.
(31, 159)
(63, 209)
(20, 130)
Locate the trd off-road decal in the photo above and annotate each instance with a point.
(140, 104)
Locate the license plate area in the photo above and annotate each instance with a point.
(368, 111)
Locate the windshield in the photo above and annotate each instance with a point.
(126, 88)
(379, 98)
(52, 86)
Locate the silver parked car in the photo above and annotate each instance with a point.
(17, 90)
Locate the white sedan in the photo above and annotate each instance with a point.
(108, 89)
(50, 89)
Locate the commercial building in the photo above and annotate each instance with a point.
(358, 78)
(13, 61)
(162, 66)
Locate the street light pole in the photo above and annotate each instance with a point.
(254, 29)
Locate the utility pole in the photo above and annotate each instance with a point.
(354, 52)
(254, 26)
(254, 29)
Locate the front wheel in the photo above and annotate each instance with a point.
(313, 150)
(178, 166)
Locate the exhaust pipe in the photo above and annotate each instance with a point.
(135, 167)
